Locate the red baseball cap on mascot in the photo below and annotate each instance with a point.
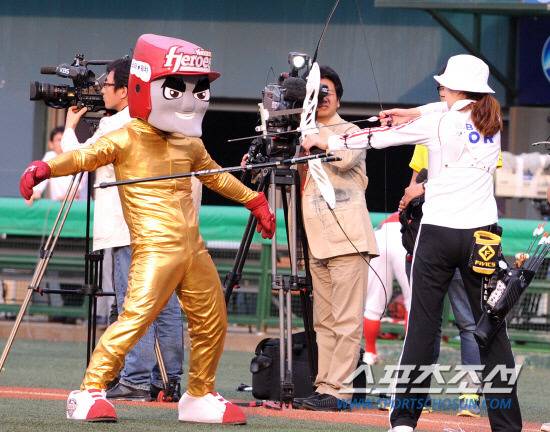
(158, 56)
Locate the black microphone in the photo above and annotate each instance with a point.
(48, 70)
(295, 89)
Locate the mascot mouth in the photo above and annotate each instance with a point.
(185, 116)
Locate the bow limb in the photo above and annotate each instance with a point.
(308, 126)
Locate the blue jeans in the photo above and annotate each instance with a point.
(464, 320)
(140, 366)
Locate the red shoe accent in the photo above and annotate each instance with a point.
(101, 411)
(233, 415)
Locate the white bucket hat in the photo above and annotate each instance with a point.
(465, 73)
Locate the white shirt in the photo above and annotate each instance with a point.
(58, 186)
(110, 229)
(459, 191)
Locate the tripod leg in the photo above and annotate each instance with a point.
(285, 307)
(92, 289)
(62, 214)
(171, 388)
(294, 275)
(232, 278)
(45, 256)
(296, 237)
(306, 292)
(162, 366)
(89, 348)
(15, 327)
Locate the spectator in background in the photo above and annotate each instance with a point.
(56, 188)
(389, 265)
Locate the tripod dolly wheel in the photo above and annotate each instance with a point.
(161, 397)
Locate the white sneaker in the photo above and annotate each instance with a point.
(401, 429)
(90, 405)
(545, 427)
(211, 408)
(370, 358)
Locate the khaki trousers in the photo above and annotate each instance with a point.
(339, 292)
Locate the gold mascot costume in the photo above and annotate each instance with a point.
(168, 96)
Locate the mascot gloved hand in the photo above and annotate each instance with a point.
(263, 214)
(35, 173)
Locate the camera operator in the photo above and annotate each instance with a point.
(339, 252)
(140, 378)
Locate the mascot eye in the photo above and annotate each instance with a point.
(170, 93)
(203, 95)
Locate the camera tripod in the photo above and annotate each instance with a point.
(93, 271)
(286, 180)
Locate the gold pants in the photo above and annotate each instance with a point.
(154, 275)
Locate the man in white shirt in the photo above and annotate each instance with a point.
(140, 377)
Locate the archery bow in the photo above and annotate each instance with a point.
(308, 127)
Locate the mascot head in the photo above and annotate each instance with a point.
(169, 84)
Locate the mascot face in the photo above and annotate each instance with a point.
(179, 102)
(169, 84)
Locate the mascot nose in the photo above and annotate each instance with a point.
(187, 103)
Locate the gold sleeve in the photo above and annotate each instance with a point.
(102, 152)
(225, 183)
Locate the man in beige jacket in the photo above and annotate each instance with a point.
(341, 242)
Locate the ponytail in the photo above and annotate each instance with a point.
(486, 114)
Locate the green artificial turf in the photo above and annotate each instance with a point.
(61, 365)
(49, 416)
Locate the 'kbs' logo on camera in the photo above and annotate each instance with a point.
(199, 61)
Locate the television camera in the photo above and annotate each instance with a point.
(280, 111)
(85, 91)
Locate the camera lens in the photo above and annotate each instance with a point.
(34, 90)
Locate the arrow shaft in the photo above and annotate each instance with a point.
(272, 164)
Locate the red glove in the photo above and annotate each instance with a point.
(264, 216)
(35, 173)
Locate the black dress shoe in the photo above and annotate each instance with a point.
(325, 402)
(298, 402)
(124, 392)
